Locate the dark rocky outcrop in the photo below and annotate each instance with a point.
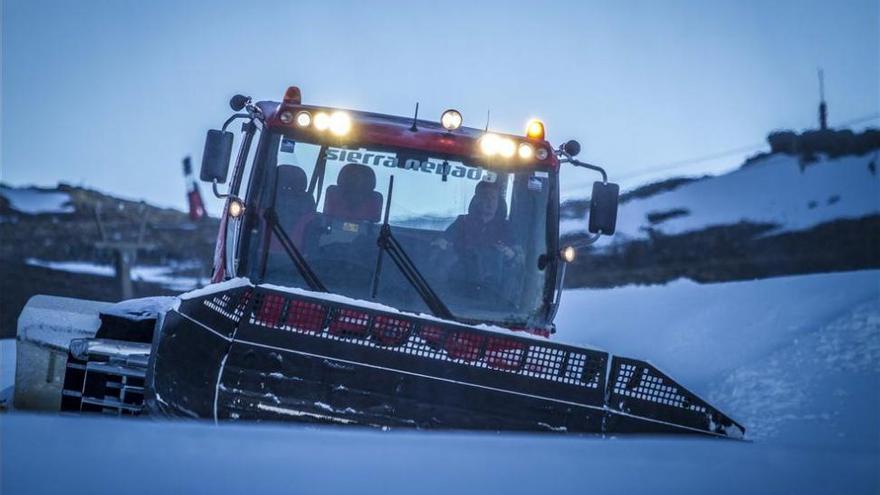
(731, 252)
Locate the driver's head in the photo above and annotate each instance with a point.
(485, 201)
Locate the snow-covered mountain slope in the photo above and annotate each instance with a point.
(33, 201)
(793, 358)
(59, 224)
(167, 276)
(775, 189)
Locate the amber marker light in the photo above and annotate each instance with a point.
(535, 129)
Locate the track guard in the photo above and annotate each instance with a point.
(190, 349)
(264, 353)
(640, 395)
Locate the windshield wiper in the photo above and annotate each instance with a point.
(295, 255)
(388, 243)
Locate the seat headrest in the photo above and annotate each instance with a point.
(356, 178)
(292, 179)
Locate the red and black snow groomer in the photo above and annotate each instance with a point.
(383, 271)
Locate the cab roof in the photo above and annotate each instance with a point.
(369, 128)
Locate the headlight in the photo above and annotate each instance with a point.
(526, 151)
(542, 153)
(490, 144)
(303, 119)
(340, 123)
(451, 120)
(322, 121)
(236, 208)
(507, 148)
(285, 117)
(493, 144)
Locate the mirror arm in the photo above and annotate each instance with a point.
(579, 163)
(253, 112)
(217, 193)
(220, 195)
(233, 118)
(586, 242)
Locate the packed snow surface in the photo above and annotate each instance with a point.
(85, 455)
(33, 201)
(795, 359)
(699, 332)
(774, 190)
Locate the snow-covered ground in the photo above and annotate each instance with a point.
(774, 189)
(78, 455)
(795, 359)
(162, 275)
(33, 201)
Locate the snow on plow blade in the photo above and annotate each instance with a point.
(290, 355)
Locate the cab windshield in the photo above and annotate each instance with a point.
(475, 235)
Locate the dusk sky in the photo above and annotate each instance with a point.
(113, 94)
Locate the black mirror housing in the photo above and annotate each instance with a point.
(571, 148)
(603, 208)
(238, 102)
(215, 159)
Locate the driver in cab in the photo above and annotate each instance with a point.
(481, 240)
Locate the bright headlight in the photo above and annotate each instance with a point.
(526, 151)
(507, 147)
(568, 254)
(322, 121)
(490, 144)
(340, 123)
(236, 208)
(303, 119)
(493, 144)
(451, 120)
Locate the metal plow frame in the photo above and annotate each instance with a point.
(294, 356)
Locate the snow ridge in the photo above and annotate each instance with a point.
(777, 190)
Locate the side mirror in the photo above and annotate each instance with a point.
(215, 159)
(571, 148)
(603, 208)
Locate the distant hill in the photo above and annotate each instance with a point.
(781, 213)
(60, 224)
(49, 238)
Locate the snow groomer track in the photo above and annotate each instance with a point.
(292, 354)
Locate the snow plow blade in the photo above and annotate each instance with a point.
(293, 355)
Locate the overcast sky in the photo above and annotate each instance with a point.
(113, 94)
